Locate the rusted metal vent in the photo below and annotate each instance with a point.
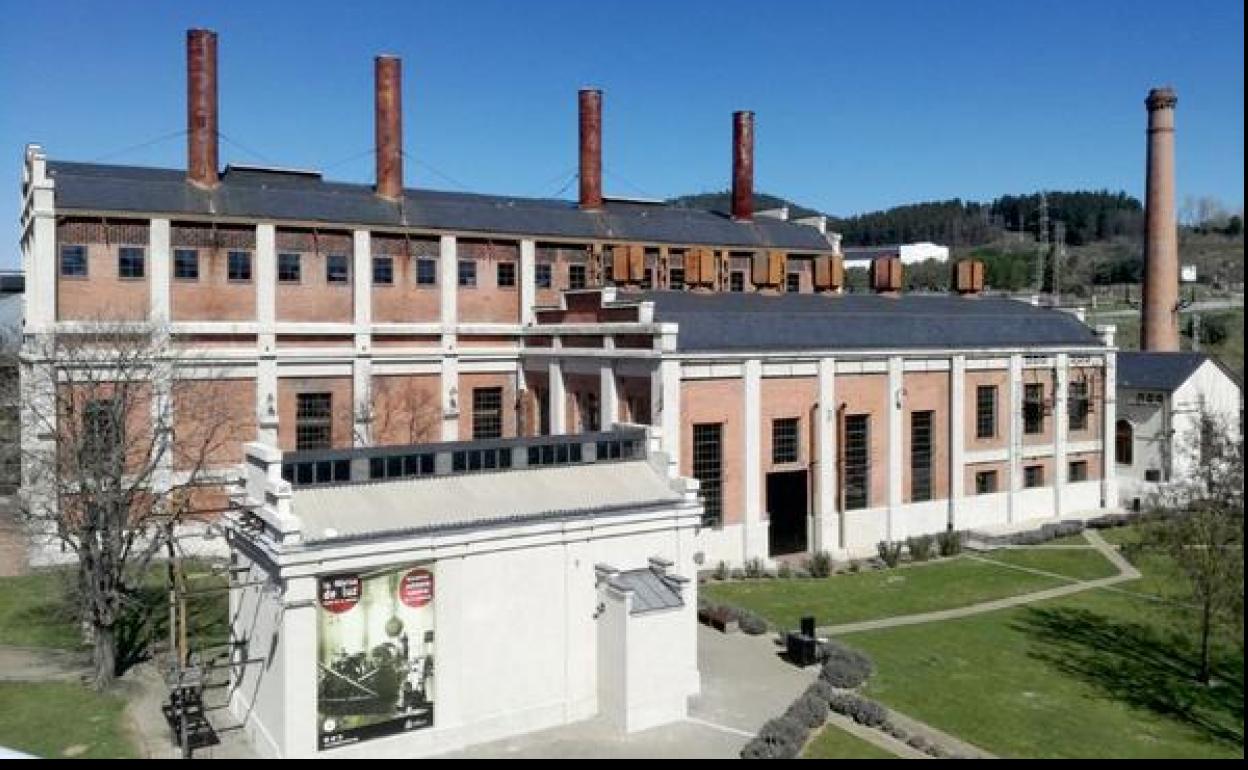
(700, 267)
(628, 264)
(968, 277)
(201, 108)
(829, 273)
(886, 275)
(767, 268)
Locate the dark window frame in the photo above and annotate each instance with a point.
(487, 413)
(180, 273)
(1124, 439)
(786, 440)
(985, 411)
(793, 283)
(544, 275)
(1073, 476)
(426, 271)
(986, 482)
(337, 269)
(578, 277)
(314, 421)
(383, 270)
(466, 274)
(1078, 405)
(736, 281)
(82, 255)
(1033, 476)
(676, 279)
(922, 452)
(505, 275)
(708, 469)
(127, 259)
(287, 260)
(234, 260)
(1033, 408)
(857, 462)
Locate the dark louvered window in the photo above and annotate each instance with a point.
(986, 411)
(784, 440)
(920, 456)
(708, 469)
(1033, 408)
(1078, 405)
(857, 461)
(313, 421)
(487, 413)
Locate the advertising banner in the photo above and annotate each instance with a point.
(374, 654)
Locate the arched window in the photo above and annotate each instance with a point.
(1124, 442)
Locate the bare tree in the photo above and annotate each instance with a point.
(411, 414)
(1202, 527)
(124, 440)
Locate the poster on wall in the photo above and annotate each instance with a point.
(374, 654)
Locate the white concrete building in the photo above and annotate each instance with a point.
(910, 253)
(1161, 397)
(548, 587)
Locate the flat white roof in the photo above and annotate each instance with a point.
(351, 511)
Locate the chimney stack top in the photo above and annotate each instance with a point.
(1163, 98)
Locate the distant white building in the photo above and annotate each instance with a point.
(910, 253)
(1160, 400)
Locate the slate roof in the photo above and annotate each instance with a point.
(1156, 370)
(760, 322)
(651, 590)
(253, 193)
(439, 503)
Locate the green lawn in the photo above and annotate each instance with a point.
(834, 743)
(868, 595)
(60, 719)
(1098, 674)
(1079, 564)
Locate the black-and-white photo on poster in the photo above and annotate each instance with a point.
(374, 654)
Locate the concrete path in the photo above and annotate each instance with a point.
(877, 738)
(35, 664)
(950, 743)
(1125, 572)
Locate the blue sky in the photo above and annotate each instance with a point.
(860, 105)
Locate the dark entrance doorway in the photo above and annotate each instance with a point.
(787, 507)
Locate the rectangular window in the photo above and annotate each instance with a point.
(857, 461)
(1078, 471)
(920, 456)
(542, 276)
(647, 283)
(985, 482)
(1033, 476)
(506, 275)
(337, 269)
(426, 272)
(736, 281)
(186, 264)
(1033, 408)
(576, 276)
(383, 270)
(793, 283)
(784, 440)
(288, 268)
(74, 261)
(487, 413)
(676, 279)
(101, 432)
(708, 469)
(986, 411)
(239, 266)
(313, 421)
(467, 273)
(1077, 403)
(130, 262)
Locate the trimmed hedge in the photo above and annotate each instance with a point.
(809, 709)
(780, 738)
(861, 710)
(842, 666)
(751, 624)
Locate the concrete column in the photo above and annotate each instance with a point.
(452, 396)
(160, 257)
(1014, 416)
(755, 529)
(266, 339)
(162, 423)
(827, 520)
(528, 280)
(557, 398)
(40, 259)
(896, 405)
(957, 437)
(608, 398)
(448, 270)
(362, 365)
(1061, 431)
(669, 418)
(1109, 412)
(297, 720)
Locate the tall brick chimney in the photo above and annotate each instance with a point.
(388, 143)
(201, 108)
(590, 110)
(743, 165)
(1160, 328)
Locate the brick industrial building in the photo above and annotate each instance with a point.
(346, 315)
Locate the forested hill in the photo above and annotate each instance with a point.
(1086, 215)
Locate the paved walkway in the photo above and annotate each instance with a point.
(877, 738)
(35, 664)
(1125, 572)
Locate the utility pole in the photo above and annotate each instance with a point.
(1059, 253)
(1043, 237)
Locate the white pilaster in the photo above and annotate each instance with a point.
(669, 415)
(528, 280)
(827, 524)
(160, 257)
(1109, 412)
(1014, 434)
(557, 398)
(362, 365)
(754, 530)
(362, 281)
(162, 423)
(896, 403)
(1061, 428)
(40, 259)
(957, 437)
(452, 396)
(266, 320)
(608, 397)
(448, 285)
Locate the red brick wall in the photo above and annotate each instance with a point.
(717, 401)
(102, 295)
(927, 391)
(339, 387)
(213, 296)
(404, 301)
(868, 394)
(212, 420)
(407, 409)
(313, 298)
(467, 382)
(487, 302)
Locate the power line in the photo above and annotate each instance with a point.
(627, 183)
(442, 175)
(140, 146)
(247, 150)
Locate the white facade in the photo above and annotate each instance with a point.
(521, 615)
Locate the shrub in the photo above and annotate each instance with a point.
(854, 566)
(842, 666)
(920, 547)
(863, 711)
(784, 571)
(919, 743)
(949, 543)
(896, 730)
(809, 709)
(780, 738)
(754, 568)
(737, 573)
(820, 564)
(750, 623)
(890, 553)
(721, 571)
(821, 689)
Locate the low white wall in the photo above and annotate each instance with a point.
(1034, 503)
(975, 511)
(1082, 499)
(927, 518)
(864, 529)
